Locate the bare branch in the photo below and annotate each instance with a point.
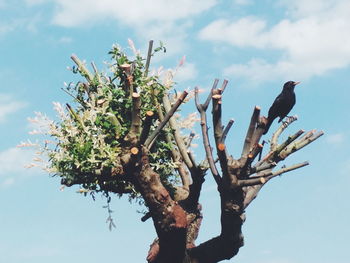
(218, 132)
(223, 87)
(150, 140)
(149, 55)
(302, 142)
(206, 142)
(251, 129)
(82, 68)
(284, 125)
(226, 130)
(264, 177)
(206, 104)
(178, 138)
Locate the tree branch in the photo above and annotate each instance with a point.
(264, 177)
(149, 55)
(218, 133)
(150, 140)
(226, 130)
(284, 125)
(251, 129)
(208, 150)
(135, 128)
(82, 68)
(178, 138)
(297, 145)
(146, 127)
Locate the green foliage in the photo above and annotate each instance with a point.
(89, 139)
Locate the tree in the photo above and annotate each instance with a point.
(122, 137)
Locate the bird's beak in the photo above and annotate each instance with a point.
(296, 83)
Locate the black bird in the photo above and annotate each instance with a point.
(283, 104)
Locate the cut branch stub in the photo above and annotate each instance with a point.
(248, 142)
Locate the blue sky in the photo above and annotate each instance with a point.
(257, 45)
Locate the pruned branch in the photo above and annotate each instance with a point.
(178, 138)
(297, 145)
(204, 127)
(226, 130)
(146, 127)
(284, 125)
(136, 122)
(251, 129)
(154, 135)
(82, 68)
(218, 132)
(149, 55)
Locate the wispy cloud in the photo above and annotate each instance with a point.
(336, 138)
(12, 163)
(137, 12)
(312, 40)
(8, 106)
(186, 72)
(166, 20)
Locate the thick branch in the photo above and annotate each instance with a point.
(136, 122)
(146, 127)
(251, 129)
(168, 217)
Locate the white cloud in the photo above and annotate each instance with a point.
(136, 12)
(166, 20)
(313, 40)
(12, 163)
(8, 106)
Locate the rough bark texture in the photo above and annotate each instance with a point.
(177, 218)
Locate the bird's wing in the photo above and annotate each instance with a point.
(274, 107)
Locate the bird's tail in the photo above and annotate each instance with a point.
(268, 124)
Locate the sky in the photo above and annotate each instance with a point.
(300, 217)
